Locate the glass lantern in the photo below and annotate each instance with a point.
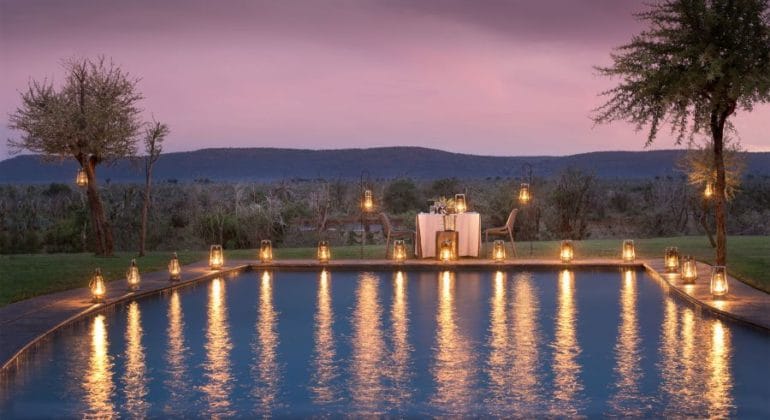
(367, 202)
(498, 250)
(324, 252)
(629, 252)
(97, 286)
(446, 252)
(174, 269)
(81, 179)
(671, 259)
(132, 276)
(461, 206)
(399, 250)
(524, 194)
(689, 270)
(216, 257)
(719, 281)
(567, 251)
(266, 251)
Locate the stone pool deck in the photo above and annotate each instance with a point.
(25, 324)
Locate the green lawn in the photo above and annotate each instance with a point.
(25, 276)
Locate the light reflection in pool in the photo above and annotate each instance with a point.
(325, 363)
(98, 384)
(134, 377)
(265, 371)
(216, 368)
(399, 369)
(627, 400)
(177, 382)
(566, 349)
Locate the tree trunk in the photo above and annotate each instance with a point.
(102, 231)
(718, 120)
(145, 210)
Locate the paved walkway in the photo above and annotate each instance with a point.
(25, 324)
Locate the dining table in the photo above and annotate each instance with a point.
(467, 225)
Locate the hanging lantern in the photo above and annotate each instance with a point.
(266, 251)
(461, 206)
(132, 276)
(81, 179)
(524, 194)
(629, 253)
(689, 270)
(98, 289)
(446, 252)
(719, 281)
(399, 250)
(174, 269)
(567, 252)
(450, 222)
(708, 192)
(498, 250)
(216, 257)
(671, 259)
(324, 252)
(368, 202)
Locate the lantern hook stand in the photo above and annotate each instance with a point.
(363, 181)
(526, 170)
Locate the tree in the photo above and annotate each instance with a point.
(93, 118)
(153, 146)
(401, 196)
(699, 62)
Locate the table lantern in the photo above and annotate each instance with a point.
(629, 253)
(216, 257)
(399, 250)
(98, 289)
(81, 179)
(524, 194)
(567, 252)
(324, 252)
(689, 270)
(132, 276)
(450, 222)
(367, 202)
(671, 259)
(446, 252)
(719, 281)
(498, 250)
(266, 251)
(461, 206)
(174, 269)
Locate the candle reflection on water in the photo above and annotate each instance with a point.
(217, 364)
(499, 371)
(366, 388)
(400, 357)
(323, 386)
(134, 379)
(627, 399)
(567, 385)
(525, 305)
(98, 383)
(452, 368)
(265, 372)
(720, 383)
(177, 383)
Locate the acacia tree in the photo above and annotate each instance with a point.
(92, 118)
(153, 146)
(699, 62)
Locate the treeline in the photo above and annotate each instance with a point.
(54, 218)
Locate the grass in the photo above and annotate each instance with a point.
(25, 276)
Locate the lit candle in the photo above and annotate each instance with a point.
(524, 195)
(446, 252)
(719, 281)
(132, 276)
(324, 252)
(81, 179)
(498, 251)
(629, 253)
(266, 251)
(567, 252)
(174, 269)
(460, 204)
(672, 259)
(216, 258)
(368, 201)
(399, 250)
(689, 270)
(98, 289)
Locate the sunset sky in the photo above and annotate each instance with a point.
(482, 77)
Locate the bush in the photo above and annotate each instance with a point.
(401, 196)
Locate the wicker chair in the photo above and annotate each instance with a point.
(392, 234)
(506, 230)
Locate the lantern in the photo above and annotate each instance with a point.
(81, 179)
(629, 253)
(689, 270)
(266, 251)
(719, 281)
(324, 252)
(216, 257)
(367, 202)
(132, 276)
(446, 252)
(567, 252)
(524, 195)
(399, 250)
(498, 250)
(709, 191)
(460, 204)
(450, 222)
(98, 289)
(174, 269)
(671, 259)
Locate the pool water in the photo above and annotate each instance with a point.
(414, 343)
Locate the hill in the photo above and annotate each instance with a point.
(267, 164)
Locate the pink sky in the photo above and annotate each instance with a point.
(487, 77)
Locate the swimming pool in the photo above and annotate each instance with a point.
(406, 343)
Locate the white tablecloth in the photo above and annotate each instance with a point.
(468, 228)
